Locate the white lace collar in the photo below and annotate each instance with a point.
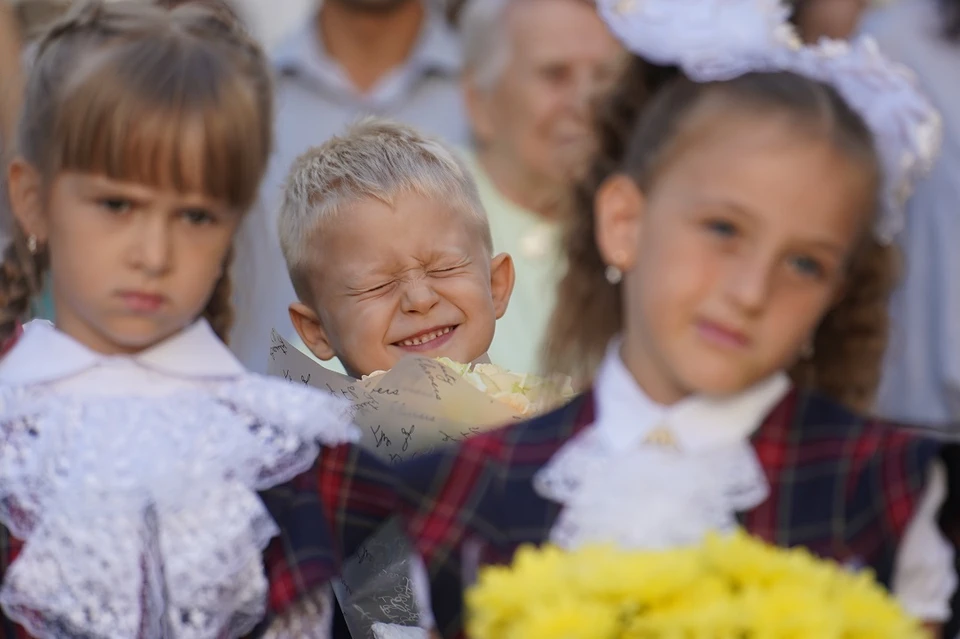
(139, 513)
(44, 354)
(626, 415)
(616, 486)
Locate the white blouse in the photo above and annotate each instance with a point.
(617, 486)
(132, 481)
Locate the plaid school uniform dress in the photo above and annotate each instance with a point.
(323, 514)
(844, 486)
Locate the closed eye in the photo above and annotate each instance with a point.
(380, 288)
(441, 271)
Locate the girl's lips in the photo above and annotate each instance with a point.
(140, 302)
(428, 340)
(722, 336)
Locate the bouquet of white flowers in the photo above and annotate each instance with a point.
(422, 403)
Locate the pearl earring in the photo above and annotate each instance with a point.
(614, 275)
(32, 244)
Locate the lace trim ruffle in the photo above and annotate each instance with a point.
(649, 497)
(140, 516)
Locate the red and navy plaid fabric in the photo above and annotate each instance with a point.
(323, 514)
(841, 485)
(482, 491)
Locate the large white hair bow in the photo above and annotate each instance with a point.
(716, 40)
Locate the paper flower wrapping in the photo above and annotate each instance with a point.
(527, 394)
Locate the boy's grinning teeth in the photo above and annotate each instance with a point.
(429, 337)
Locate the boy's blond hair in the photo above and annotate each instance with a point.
(375, 159)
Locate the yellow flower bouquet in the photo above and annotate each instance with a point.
(730, 587)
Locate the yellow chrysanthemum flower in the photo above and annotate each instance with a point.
(567, 619)
(646, 579)
(730, 587)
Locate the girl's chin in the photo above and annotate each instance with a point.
(718, 381)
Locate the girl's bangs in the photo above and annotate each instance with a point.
(192, 126)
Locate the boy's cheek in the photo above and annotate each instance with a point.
(366, 350)
(471, 293)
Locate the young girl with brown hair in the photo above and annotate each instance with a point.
(728, 268)
(134, 443)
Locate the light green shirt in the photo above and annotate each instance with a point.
(534, 244)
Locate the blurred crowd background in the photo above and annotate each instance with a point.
(510, 83)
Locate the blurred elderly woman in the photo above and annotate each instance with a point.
(531, 70)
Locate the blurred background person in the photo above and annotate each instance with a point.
(531, 71)
(392, 58)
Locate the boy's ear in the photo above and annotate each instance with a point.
(502, 278)
(618, 210)
(26, 198)
(310, 330)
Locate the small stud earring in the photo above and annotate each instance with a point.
(32, 244)
(614, 275)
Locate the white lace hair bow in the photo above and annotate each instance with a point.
(716, 40)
